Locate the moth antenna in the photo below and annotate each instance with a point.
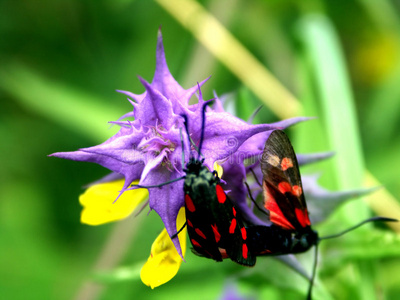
(203, 124)
(183, 149)
(186, 122)
(373, 219)
(189, 137)
(314, 271)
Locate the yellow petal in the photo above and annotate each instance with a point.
(98, 206)
(219, 169)
(164, 260)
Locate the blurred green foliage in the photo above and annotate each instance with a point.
(61, 62)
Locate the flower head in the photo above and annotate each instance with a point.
(149, 149)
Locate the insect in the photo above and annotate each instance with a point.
(216, 230)
(291, 230)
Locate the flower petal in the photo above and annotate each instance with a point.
(254, 146)
(223, 135)
(152, 163)
(137, 98)
(155, 108)
(321, 202)
(98, 206)
(234, 176)
(164, 260)
(118, 154)
(303, 159)
(166, 200)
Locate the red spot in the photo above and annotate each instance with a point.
(234, 211)
(244, 251)
(284, 187)
(286, 163)
(223, 253)
(221, 196)
(276, 215)
(216, 232)
(194, 243)
(200, 233)
(189, 203)
(233, 226)
(297, 191)
(244, 233)
(302, 217)
(189, 223)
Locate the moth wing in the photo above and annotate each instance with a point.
(200, 232)
(282, 187)
(233, 232)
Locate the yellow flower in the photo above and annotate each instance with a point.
(164, 260)
(98, 206)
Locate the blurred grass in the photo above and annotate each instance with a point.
(59, 103)
(60, 65)
(336, 105)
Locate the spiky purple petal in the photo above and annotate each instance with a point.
(321, 202)
(234, 175)
(166, 200)
(304, 159)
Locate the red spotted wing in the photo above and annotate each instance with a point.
(216, 230)
(283, 191)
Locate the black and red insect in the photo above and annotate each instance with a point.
(216, 229)
(283, 196)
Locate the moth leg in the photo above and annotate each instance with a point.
(179, 231)
(254, 201)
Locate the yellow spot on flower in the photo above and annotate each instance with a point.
(219, 169)
(164, 260)
(98, 206)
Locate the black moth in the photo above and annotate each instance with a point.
(216, 229)
(291, 230)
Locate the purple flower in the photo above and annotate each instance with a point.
(149, 149)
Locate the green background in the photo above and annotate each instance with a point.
(60, 64)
